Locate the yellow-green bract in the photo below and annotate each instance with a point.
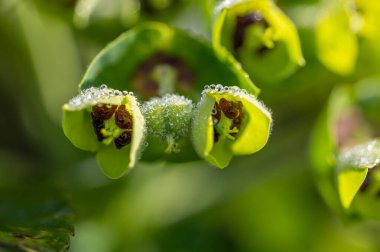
(228, 121)
(354, 166)
(346, 150)
(336, 41)
(343, 28)
(79, 127)
(260, 36)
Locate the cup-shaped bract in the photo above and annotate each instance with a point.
(153, 59)
(109, 122)
(260, 36)
(168, 121)
(355, 171)
(346, 152)
(229, 121)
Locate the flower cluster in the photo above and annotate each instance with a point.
(227, 121)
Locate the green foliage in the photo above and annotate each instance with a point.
(31, 221)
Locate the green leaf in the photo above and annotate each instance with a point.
(34, 220)
(121, 63)
(118, 145)
(265, 41)
(227, 122)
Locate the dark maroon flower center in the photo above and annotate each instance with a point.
(123, 119)
(242, 23)
(232, 110)
(147, 86)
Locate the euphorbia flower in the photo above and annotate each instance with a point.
(109, 122)
(260, 36)
(229, 121)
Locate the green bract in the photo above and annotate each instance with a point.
(260, 36)
(109, 122)
(228, 121)
(153, 59)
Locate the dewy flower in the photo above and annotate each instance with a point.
(109, 122)
(168, 119)
(228, 121)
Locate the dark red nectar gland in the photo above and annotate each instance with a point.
(123, 118)
(98, 125)
(124, 139)
(99, 114)
(242, 23)
(103, 111)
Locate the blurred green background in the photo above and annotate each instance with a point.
(264, 202)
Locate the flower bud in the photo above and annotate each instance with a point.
(168, 125)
